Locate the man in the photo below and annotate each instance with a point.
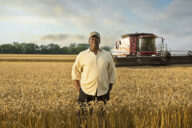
(93, 72)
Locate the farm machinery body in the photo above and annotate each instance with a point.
(141, 49)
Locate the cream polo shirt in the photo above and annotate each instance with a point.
(95, 72)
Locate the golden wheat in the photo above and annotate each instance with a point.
(43, 95)
(37, 58)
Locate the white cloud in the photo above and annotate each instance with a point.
(63, 37)
(110, 17)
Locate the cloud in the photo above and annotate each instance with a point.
(68, 38)
(63, 37)
(61, 11)
(168, 18)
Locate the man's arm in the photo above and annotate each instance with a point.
(76, 73)
(112, 77)
(77, 84)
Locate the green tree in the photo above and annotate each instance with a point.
(7, 49)
(64, 50)
(72, 48)
(43, 49)
(107, 48)
(81, 47)
(53, 48)
(31, 48)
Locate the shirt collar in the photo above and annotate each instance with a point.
(89, 50)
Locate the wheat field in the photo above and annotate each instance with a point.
(36, 58)
(42, 95)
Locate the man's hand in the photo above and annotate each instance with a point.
(77, 85)
(110, 86)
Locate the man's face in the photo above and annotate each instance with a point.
(94, 43)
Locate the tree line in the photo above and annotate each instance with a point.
(32, 48)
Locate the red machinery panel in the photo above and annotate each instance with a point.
(132, 45)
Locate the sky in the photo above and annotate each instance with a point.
(71, 21)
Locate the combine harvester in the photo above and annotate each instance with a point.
(140, 49)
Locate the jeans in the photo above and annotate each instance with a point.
(87, 98)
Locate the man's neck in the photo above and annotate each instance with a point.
(95, 51)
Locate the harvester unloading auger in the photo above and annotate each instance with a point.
(140, 49)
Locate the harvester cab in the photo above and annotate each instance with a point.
(137, 44)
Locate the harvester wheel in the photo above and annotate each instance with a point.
(139, 61)
(189, 53)
(164, 61)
